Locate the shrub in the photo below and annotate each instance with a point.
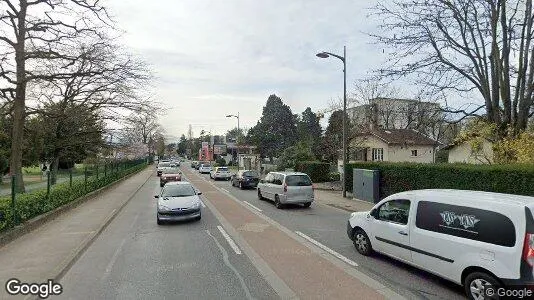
(220, 162)
(30, 205)
(398, 177)
(318, 171)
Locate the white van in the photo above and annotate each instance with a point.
(287, 188)
(476, 239)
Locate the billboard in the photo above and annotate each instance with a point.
(205, 146)
(219, 149)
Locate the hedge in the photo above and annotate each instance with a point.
(33, 204)
(318, 171)
(398, 177)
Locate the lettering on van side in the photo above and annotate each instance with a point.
(466, 221)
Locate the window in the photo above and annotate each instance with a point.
(179, 190)
(298, 180)
(269, 178)
(414, 152)
(395, 211)
(278, 179)
(250, 174)
(466, 222)
(378, 154)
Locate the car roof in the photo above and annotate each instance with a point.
(178, 183)
(290, 173)
(460, 195)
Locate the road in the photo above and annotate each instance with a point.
(327, 225)
(136, 258)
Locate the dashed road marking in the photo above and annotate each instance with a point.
(334, 253)
(252, 206)
(229, 240)
(225, 190)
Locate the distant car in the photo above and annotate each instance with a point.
(194, 164)
(169, 175)
(178, 201)
(246, 179)
(162, 166)
(220, 173)
(176, 162)
(197, 166)
(204, 169)
(287, 188)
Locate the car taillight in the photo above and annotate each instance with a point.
(528, 249)
(285, 188)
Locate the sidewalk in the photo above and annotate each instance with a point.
(335, 199)
(45, 252)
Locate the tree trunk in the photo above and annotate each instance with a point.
(19, 104)
(54, 166)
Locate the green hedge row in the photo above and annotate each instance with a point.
(398, 177)
(33, 204)
(318, 171)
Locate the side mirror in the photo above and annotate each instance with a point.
(156, 196)
(199, 193)
(374, 213)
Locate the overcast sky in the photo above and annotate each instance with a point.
(214, 57)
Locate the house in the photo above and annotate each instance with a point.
(463, 152)
(393, 145)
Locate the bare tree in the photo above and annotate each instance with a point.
(465, 47)
(32, 32)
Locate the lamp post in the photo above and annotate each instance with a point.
(236, 140)
(343, 59)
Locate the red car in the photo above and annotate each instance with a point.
(169, 175)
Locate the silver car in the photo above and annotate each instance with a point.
(178, 201)
(287, 188)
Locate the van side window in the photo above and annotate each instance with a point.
(466, 222)
(395, 211)
(278, 178)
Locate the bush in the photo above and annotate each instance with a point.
(318, 171)
(335, 176)
(398, 177)
(220, 162)
(30, 205)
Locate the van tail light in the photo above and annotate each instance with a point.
(285, 188)
(528, 249)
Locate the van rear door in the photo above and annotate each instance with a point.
(299, 188)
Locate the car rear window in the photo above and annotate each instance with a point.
(251, 174)
(298, 180)
(164, 164)
(222, 169)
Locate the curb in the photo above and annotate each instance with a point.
(65, 266)
(34, 223)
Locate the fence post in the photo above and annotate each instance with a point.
(13, 206)
(85, 178)
(97, 171)
(70, 177)
(48, 184)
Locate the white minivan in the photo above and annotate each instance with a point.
(476, 239)
(287, 188)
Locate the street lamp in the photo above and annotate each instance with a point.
(236, 141)
(343, 59)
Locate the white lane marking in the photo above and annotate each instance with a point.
(229, 240)
(334, 253)
(202, 203)
(252, 206)
(225, 190)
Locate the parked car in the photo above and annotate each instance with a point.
(161, 166)
(480, 240)
(168, 175)
(204, 168)
(220, 173)
(200, 163)
(286, 188)
(178, 201)
(194, 164)
(245, 179)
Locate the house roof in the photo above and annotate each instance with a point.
(401, 137)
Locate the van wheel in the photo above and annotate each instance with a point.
(362, 243)
(307, 204)
(477, 283)
(159, 221)
(260, 196)
(277, 202)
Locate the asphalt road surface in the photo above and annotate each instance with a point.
(134, 258)
(327, 225)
